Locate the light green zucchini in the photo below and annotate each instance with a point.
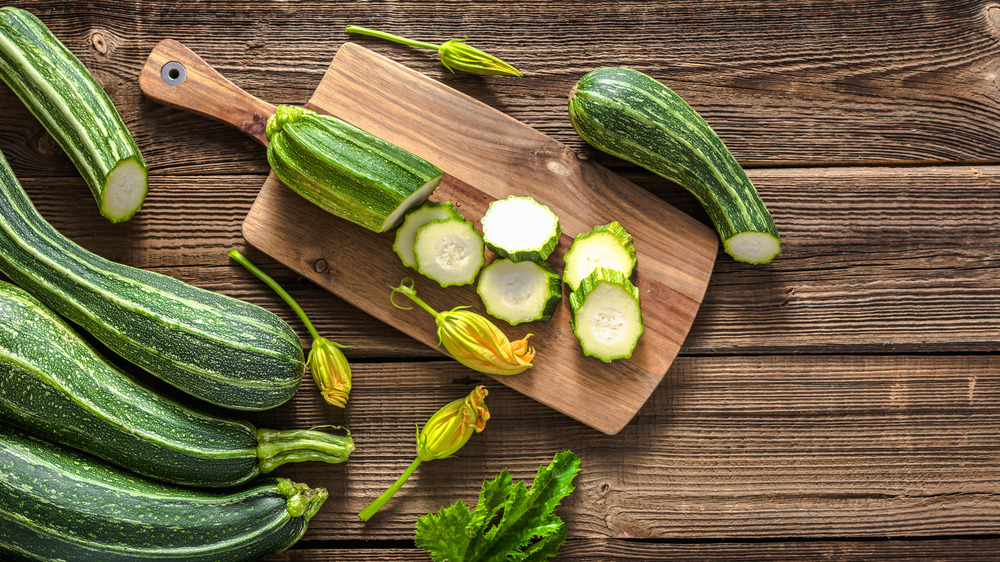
(56, 504)
(406, 234)
(223, 350)
(607, 317)
(53, 383)
(520, 229)
(66, 98)
(449, 251)
(634, 117)
(518, 292)
(607, 245)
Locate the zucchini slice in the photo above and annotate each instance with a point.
(607, 318)
(520, 229)
(449, 251)
(73, 107)
(406, 234)
(608, 245)
(519, 292)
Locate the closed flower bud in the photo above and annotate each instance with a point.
(450, 428)
(331, 371)
(455, 53)
(473, 340)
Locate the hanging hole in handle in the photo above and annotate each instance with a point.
(173, 73)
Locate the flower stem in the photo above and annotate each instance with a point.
(406, 287)
(389, 37)
(240, 259)
(380, 501)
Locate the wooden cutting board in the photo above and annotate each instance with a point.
(486, 155)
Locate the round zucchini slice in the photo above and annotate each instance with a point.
(519, 292)
(449, 251)
(520, 229)
(607, 319)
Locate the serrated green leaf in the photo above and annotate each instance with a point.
(443, 535)
(510, 522)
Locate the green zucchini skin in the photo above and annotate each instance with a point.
(53, 383)
(223, 350)
(56, 504)
(633, 116)
(66, 98)
(346, 171)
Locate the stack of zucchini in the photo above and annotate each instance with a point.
(93, 464)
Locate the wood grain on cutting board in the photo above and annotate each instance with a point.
(486, 155)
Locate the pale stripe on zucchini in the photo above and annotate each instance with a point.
(66, 98)
(632, 116)
(56, 504)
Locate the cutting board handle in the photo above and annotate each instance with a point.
(174, 75)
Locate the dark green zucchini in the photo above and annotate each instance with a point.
(634, 117)
(56, 504)
(53, 383)
(223, 350)
(69, 102)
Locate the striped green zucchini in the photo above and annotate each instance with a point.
(66, 98)
(632, 116)
(220, 349)
(346, 171)
(56, 504)
(53, 383)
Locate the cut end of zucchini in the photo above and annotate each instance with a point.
(125, 190)
(753, 247)
(415, 200)
(608, 245)
(519, 292)
(449, 251)
(520, 229)
(607, 319)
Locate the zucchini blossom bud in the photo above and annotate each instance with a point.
(330, 370)
(472, 339)
(455, 53)
(452, 426)
(327, 363)
(443, 435)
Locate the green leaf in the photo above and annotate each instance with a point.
(510, 522)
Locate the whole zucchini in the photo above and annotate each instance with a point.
(346, 171)
(223, 350)
(66, 98)
(634, 117)
(53, 383)
(56, 504)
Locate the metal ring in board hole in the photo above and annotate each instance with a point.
(173, 73)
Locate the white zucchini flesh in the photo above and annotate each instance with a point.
(607, 319)
(449, 251)
(599, 249)
(406, 234)
(520, 229)
(519, 292)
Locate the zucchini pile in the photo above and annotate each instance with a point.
(94, 464)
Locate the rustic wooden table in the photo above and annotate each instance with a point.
(842, 402)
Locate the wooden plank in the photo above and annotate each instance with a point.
(886, 259)
(755, 447)
(614, 550)
(901, 82)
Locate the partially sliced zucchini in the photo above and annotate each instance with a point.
(519, 292)
(608, 245)
(406, 234)
(520, 229)
(607, 319)
(449, 251)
